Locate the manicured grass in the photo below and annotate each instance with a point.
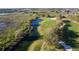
(74, 26)
(45, 25)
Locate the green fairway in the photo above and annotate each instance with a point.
(74, 26)
(45, 26)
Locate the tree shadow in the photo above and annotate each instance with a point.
(69, 36)
(28, 39)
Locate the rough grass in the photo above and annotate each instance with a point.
(36, 45)
(15, 22)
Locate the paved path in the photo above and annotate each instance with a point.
(66, 47)
(62, 43)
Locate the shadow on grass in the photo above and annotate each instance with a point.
(69, 36)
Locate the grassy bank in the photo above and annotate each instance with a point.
(18, 24)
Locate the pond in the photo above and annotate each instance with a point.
(2, 25)
(36, 21)
(35, 24)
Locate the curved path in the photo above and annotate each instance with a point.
(62, 43)
(66, 47)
